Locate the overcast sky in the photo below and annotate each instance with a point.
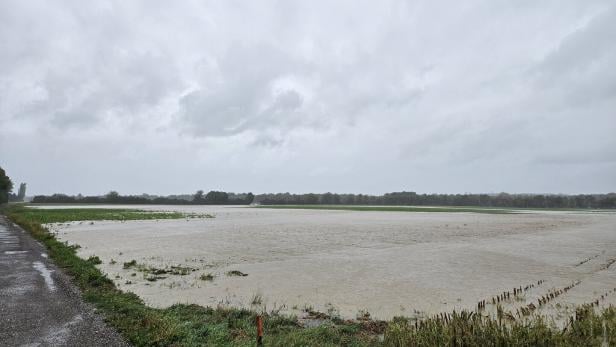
(308, 96)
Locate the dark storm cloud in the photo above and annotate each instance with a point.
(309, 96)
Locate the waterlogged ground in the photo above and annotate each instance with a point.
(350, 262)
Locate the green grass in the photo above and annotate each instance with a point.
(62, 215)
(192, 325)
(471, 209)
(392, 208)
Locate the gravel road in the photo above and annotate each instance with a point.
(39, 306)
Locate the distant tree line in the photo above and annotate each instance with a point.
(222, 198)
(598, 201)
(113, 197)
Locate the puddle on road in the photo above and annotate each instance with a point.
(15, 252)
(42, 269)
(58, 336)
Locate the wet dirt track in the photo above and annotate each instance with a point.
(38, 304)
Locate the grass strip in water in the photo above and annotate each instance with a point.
(62, 215)
(391, 208)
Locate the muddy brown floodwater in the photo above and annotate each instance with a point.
(346, 262)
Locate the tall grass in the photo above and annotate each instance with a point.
(467, 329)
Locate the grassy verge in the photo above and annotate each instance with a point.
(192, 325)
(391, 208)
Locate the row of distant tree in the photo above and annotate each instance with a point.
(199, 198)
(597, 201)
(6, 188)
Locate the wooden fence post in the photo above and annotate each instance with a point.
(259, 331)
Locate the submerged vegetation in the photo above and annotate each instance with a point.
(129, 264)
(236, 273)
(206, 277)
(151, 270)
(192, 325)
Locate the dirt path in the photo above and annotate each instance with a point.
(38, 304)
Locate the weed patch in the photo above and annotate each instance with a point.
(236, 273)
(94, 260)
(130, 264)
(206, 277)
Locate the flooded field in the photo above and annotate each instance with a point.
(349, 263)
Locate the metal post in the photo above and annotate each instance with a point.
(259, 330)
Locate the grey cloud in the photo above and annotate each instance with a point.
(84, 65)
(604, 156)
(580, 70)
(289, 100)
(296, 96)
(239, 95)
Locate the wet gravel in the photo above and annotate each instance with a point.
(39, 306)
